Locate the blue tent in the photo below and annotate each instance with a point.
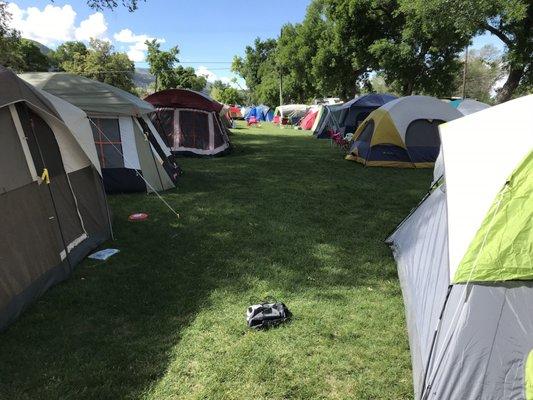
(260, 112)
(355, 111)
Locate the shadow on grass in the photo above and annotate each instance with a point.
(282, 209)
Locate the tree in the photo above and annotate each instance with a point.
(226, 94)
(103, 64)
(509, 21)
(162, 64)
(131, 5)
(484, 69)
(186, 78)
(33, 60)
(250, 67)
(9, 41)
(66, 53)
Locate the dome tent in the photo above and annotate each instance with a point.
(327, 121)
(53, 204)
(132, 155)
(464, 260)
(468, 106)
(402, 133)
(356, 110)
(190, 122)
(261, 113)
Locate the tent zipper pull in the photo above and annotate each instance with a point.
(45, 177)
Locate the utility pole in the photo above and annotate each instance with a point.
(465, 70)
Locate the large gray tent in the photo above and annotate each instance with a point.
(465, 262)
(51, 194)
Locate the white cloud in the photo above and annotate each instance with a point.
(51, 25)
(54, 24)
(95, 26)
(202, 70)
(136, 44)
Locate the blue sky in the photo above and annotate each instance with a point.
(208, 32)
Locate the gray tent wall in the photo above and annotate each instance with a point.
(46, 229)
(460, 349)
(419, 246)
(329, 120)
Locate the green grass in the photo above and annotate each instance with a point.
(283, 216)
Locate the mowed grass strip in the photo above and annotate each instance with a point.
(285, 217)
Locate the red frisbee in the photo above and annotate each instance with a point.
(138, 217)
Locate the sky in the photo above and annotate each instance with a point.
(208, 32)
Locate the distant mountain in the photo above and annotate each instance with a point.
(143, 78)
(45, 50)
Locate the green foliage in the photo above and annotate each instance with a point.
(101, 63)
(167, 74)
(226, 94)
(186, 78)
(68, 53)
(100, 5)
(9, 41)
(32, 58)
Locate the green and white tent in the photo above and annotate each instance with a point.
(132, 154)
(465, 261)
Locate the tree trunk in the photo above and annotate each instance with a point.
(505, 93)
(407, 88)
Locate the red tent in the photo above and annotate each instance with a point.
(309, 119)
(190, 121)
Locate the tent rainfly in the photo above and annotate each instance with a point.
(54, 210)
(190, 122)
(291, 113)
(465, 262)
(327, 121)
(132, 154)
(260, 112)
(356, 110)
(468, 106)
(402, 133)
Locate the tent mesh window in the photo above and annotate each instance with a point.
(163, 120)
(108, 143)
(194, 129)
(422, 132)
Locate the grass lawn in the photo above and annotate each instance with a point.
(283, 216)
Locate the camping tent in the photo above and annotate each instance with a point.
(190, 122)
(235, 112)
(131, 152)
(356, 110)
(464, 259)
(468, 106)
(308, 120)
(53, 204)
(260, 113)
(402, 133)
(290, 113)
(327, 121)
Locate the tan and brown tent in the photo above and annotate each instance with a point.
(52, 198)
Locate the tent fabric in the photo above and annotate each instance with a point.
(474, 178)
(184, 98)
(48, 223)
(189, 131)
(112, 116)
(285, 111)
(89, 95)
(260, 113)
(327, 121)
(404, 133)
(309, 120)
(356, 110)
(469, 338)
(492, 255)
(468, 106)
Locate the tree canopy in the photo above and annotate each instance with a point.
(415, 46)
(226, 94)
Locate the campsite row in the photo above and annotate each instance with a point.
(465, 253)
(65, 142)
